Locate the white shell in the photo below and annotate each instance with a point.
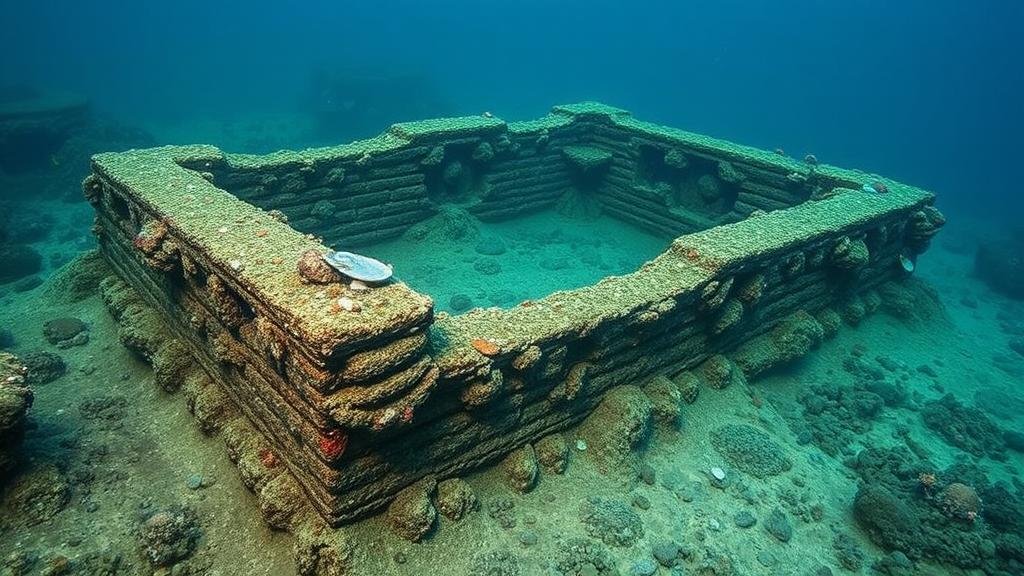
(349, 305)
(717, 473)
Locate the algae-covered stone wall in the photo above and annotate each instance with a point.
(360, 391)
(581, 159)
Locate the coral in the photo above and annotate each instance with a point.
(965, 427)
(887, 519)
(38, 496)
(611, 521)
(169, 536)
(960, 501)
(582, 557)
(411, 515)
(320, 551)
(750, 450)
(777, 524)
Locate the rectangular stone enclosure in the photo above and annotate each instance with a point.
(361, 391)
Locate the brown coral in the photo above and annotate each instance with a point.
(960, 501)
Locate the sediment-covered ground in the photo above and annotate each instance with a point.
(894, 447)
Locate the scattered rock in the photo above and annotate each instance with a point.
(621, 422)
(611, 521)
(666, 400)
(495, 563)
(65, 332)
(313, 269)
(38, 495)
(460, 303)
(455, 498)
(777, 524)
(582, 557)
(521, 469)
(169, 536)
(750, 450)
(552, 453)
(43, 367)
(744, 519)
(411, 515)
(964, 427)
(666, 553)
(106, 411)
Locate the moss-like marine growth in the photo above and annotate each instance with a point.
(965, 427)
(621, 422)
(586, 158)
(906, 505)
(15, 400)
(790, 340)
(750, 450)
(611, 521)
(411, 515)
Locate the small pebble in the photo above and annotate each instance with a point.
(766, 559)
(194, 481)
(581, 445)
(400, 558)
(641, 502)
(647, 474)
(665, 553)
(527, 537)
(744, 519)
(717, 473)
(645, 567)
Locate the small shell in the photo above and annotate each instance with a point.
(717, 473)
(236, 265)
(358, 286)
(349, 305)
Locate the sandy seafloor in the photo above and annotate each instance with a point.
(139, 454)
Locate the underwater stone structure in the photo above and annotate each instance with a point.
(361, 391)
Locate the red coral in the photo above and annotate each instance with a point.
(333, 444)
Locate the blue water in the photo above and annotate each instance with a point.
(927, 92)
(924, 91)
